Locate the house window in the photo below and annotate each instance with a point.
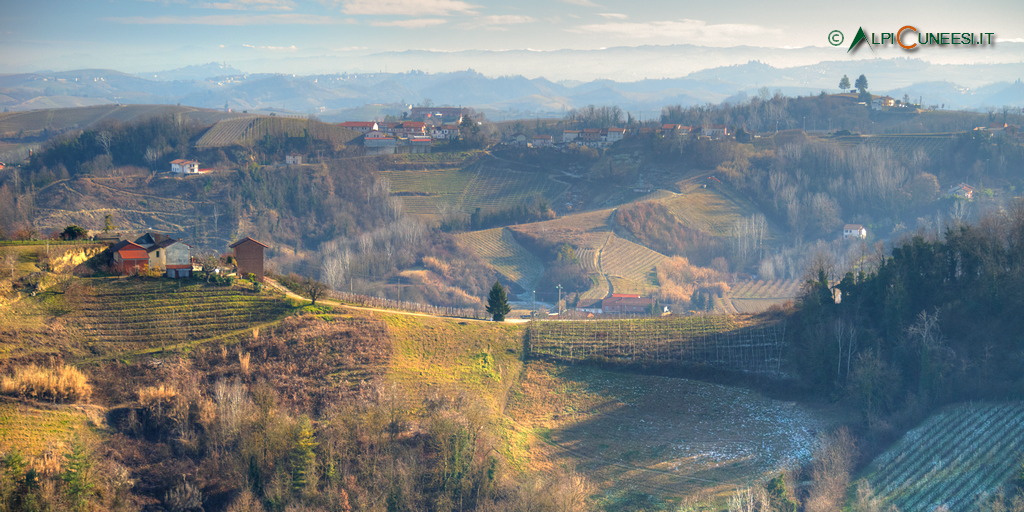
(158, 254)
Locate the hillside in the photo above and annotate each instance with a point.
(957, 458)
(419, 376)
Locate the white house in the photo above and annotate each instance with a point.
(615, 134)
(181, 166)
(361, 126)
(541, 141)
(293, 159)
(570, 135)
(716, 131)
(854, 231)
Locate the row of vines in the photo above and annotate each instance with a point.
(710, 341)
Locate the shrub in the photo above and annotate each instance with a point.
(61, 384)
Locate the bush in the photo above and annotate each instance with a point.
(61, 384)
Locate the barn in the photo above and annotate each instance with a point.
(129, 257)
(249, 257)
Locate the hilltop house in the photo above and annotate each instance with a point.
(361, 126)
(716, 131)
(614, 135)
(541, 141)
(626, 304)
(445, 131)
(618, 304)
(166, 254)
(961, 191)
(182, 166)
(854, 231)
(249, 257)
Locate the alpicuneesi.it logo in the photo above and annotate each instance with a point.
(910, 38)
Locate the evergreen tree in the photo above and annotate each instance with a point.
(497, 302)
(74, 232)
(861, 84)
(302, 455)
(844, 83)
(78, 484)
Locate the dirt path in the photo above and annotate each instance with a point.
(331, 302)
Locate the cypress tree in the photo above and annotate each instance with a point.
(497, 302)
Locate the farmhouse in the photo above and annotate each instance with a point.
(249, 257)
(570, 135)
(854, 231)
(962, 191)
(716, 131)
(129, 258)
(615, 134)
(445, 131)
(361, 126)
(167, 254)
(377, 143)
(293, 159)
(626, 304)
(182, 166)
(541, 141)
(438, 115)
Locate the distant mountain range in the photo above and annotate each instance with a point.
(369, 95)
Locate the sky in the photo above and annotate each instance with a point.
(287, 35)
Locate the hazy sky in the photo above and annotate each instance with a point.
(139, 35)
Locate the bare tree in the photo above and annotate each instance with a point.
(832, 461)
(314, 289)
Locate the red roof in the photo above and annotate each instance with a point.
(627, 295)
(130, 251)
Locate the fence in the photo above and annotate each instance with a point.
(711, 341)
(377, 302)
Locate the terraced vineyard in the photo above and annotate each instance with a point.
(704, 209)
(41, 435)
(629, 260)
(434, 191)
(952, 459)
(35, 121)
(752, 297)
(588, 230)
(503, 253)
(121, 315)
(231, 132)
(931, 143)
(716, 341)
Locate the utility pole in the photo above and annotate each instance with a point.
(559, 299)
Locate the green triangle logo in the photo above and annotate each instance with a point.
(857, 39)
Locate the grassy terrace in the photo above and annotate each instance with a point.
(119, 315)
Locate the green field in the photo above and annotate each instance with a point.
(952, 459)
